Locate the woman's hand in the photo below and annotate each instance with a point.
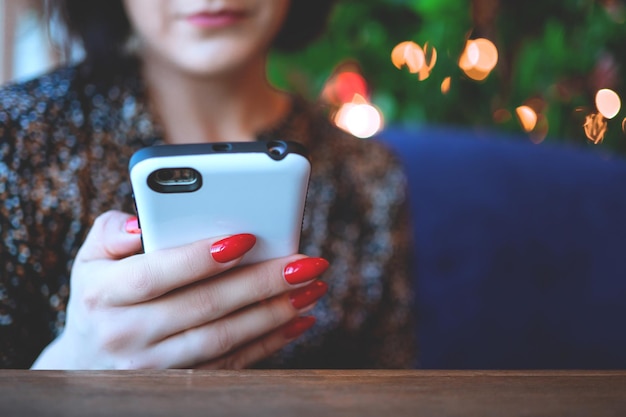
(181, 307)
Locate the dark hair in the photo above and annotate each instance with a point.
(103, 28)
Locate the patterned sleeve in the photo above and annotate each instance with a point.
(8, 201)
(23, 333)
(7, 302)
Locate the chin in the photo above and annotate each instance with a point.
(206, 69)
(211, 63)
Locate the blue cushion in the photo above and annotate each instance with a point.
(520, 249)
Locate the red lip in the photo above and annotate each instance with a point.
(219, 19)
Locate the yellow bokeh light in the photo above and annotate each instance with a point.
(595, 127)
(430, 54)
(408, 54)
(488, 55)
(445, 85)
(527, 118)
(476, 74)
(608, 103)
(479, 58)
(430, 59)
(469, 57)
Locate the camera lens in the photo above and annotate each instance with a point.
(164, 175)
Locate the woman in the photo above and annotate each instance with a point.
(181, 71)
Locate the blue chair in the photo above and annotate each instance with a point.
(520, 250)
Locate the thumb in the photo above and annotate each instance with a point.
(110, 238)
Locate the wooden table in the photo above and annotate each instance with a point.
(312, 393)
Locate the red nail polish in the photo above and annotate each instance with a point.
(132, 226)
(304, 270)
(303, 297)
(232, 247)
(298, 326)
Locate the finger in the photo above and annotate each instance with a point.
(218, 338)
(109, 238)
(210, 300)
(263, 347)
(148, 276)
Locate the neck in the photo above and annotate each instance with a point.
(217, 108)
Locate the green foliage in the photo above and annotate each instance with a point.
(560, 51)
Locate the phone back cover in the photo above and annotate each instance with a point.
(240, 193)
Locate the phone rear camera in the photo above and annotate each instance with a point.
(175, 180)
(277, 149)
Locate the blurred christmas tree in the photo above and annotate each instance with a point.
(553, 56)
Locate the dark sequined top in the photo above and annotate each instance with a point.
(65, 143)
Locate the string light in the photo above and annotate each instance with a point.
(359, 118)
(418, 60)
(479, 58)
(608, 103)
(527, 117)
(445, 85)
(408, 54)
(595, 127)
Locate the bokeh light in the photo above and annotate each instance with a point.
(595, 127)
(346, 91)
(359, 118)
(527, 117)
(343, 86)
(487, 55)
(418, 60)
(479, 58)
(445, 85)
(408, 54)
(608, 103)
(430, 59)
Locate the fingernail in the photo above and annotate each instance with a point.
(232, 247)
(305, 269)
(132, 226)
(303, 297)
(298, 326)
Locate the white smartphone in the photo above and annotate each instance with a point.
(184, 193)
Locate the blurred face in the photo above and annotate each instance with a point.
(206, 37)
